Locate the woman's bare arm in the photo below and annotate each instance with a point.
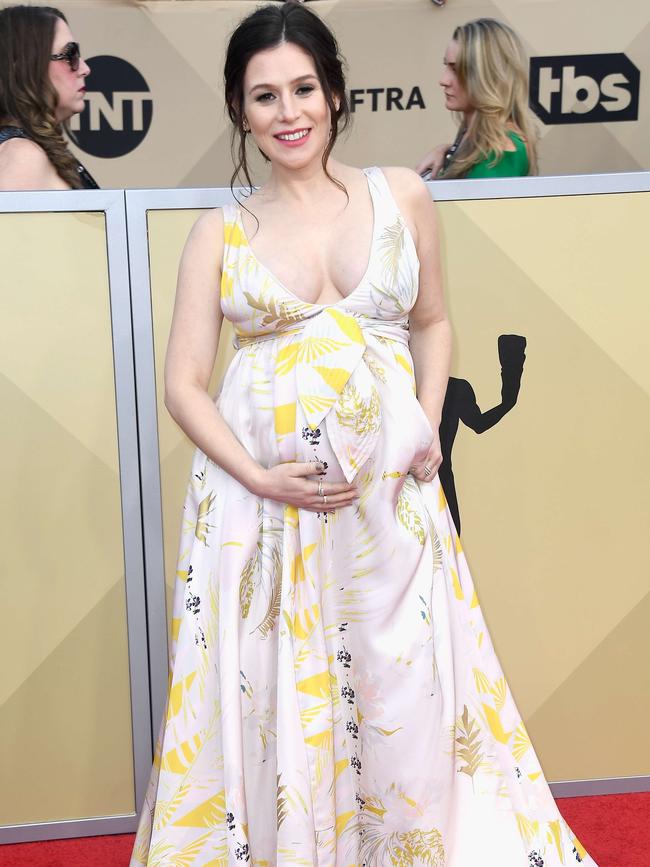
(429, 327)
(192, 351)
(432, 161)
(24, 165)
(191, 354)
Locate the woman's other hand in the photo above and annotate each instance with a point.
(430, 462)
(432, 162)
(302, 485)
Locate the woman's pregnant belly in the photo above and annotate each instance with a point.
(264, 411)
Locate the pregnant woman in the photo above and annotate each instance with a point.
(335, 698)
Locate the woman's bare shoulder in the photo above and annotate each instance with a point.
(24, 165)
(23, 147)
(410, 192)
(209, 222)
(405, 184)
(402, 175)
(206, 235)
(208, 228)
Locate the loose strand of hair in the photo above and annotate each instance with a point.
(240, 162)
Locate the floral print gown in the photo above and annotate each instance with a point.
(335, 699)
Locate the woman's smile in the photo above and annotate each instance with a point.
(293, 138)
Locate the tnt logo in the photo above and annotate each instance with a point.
(584, 88)
(118, 109)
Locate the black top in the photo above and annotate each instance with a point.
(87, 180)
(7, 132)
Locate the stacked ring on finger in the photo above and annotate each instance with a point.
(427, 471)
(320, 488)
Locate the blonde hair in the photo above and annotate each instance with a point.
(492, 67)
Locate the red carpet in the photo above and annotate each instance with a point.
(615, 830)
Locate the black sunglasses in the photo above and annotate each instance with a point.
(70, 54)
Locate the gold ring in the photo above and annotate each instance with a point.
(427, 471)
(324, 499)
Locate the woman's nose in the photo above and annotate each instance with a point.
(288, 108)
(84, 69)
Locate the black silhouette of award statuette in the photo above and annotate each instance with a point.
(460, 405)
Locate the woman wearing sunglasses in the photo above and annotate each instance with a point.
(42, 85)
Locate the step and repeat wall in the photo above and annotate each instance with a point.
(155, 116)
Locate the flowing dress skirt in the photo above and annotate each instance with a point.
(335, 697)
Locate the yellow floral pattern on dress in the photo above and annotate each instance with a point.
(335, 699)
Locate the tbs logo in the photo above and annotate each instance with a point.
(584, 88)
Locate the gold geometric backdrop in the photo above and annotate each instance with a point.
(65, 706)
(554, 498)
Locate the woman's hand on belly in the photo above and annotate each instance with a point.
(302, 485)
(425, 467)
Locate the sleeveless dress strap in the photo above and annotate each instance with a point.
(229, 211)
(231, 231)
(233, 238)
(386, 208)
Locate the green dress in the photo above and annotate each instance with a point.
(513, 164)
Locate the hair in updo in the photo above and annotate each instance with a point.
(268, 27)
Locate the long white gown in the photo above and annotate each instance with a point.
(335, 697)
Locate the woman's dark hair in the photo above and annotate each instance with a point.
(27, 97)
(268, 27)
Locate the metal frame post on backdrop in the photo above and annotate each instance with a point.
(111, 203)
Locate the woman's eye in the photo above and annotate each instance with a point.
(305, 89)
(264, 97)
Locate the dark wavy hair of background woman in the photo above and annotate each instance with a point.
(27, 97)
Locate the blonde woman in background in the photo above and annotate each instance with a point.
(485, 82)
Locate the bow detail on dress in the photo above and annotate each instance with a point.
(331, 379)
(334, 383)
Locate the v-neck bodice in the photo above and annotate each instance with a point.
(296, 295)
(324, 358)
(258, 303)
